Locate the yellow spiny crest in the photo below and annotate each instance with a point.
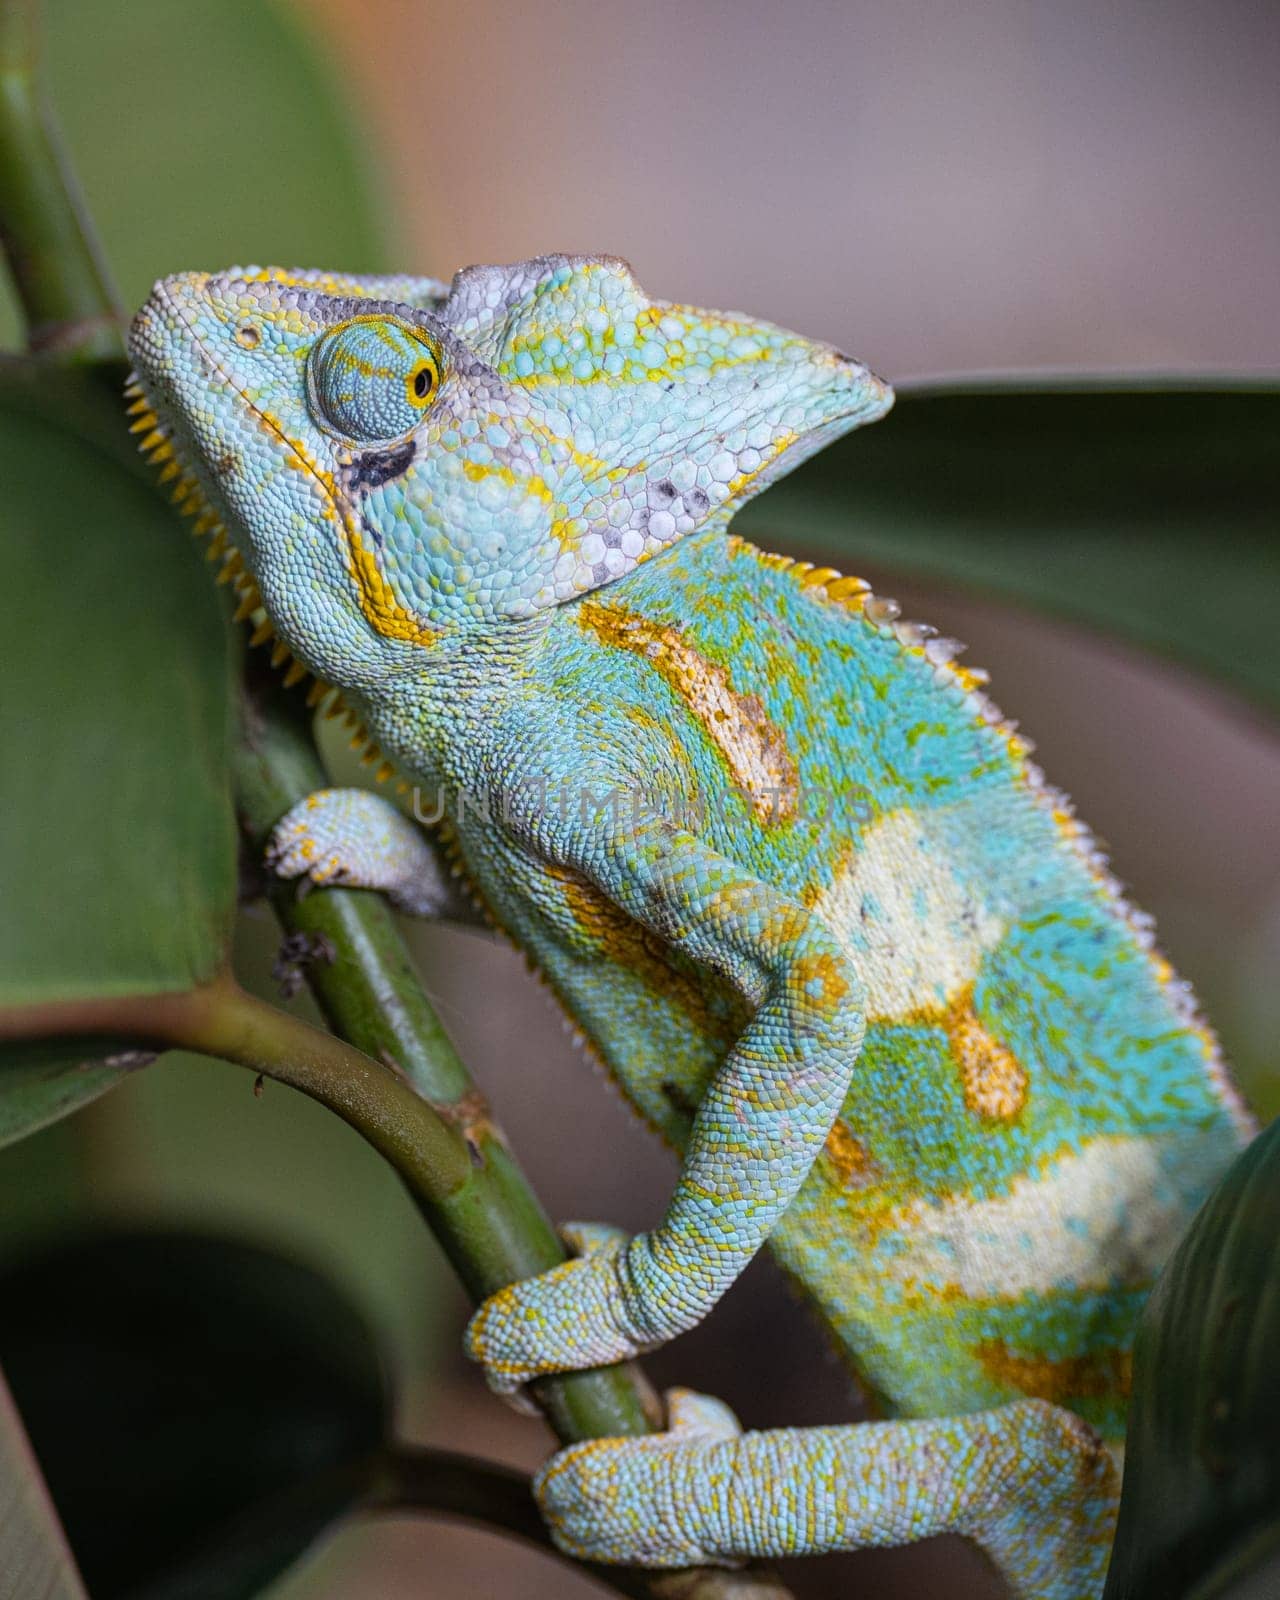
(189, 497)
(818, 577)
(848, 588)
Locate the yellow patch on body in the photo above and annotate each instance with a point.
(846, 1160)
(753, 746)
(632, 946)
(1094, 1375)
(821, 979)
(994, 1080)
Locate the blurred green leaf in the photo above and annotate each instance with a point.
(1146, 512)
(202, 1408)
(44, 1079)
(207, 136)
(118, 847)
(1200, 1514)
(36, 1558)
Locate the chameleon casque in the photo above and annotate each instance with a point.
(779, 858)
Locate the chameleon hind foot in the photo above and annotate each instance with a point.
(361, 841)
(1030, 1483)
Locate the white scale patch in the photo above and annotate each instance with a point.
(1104, 1215)
(916, 933)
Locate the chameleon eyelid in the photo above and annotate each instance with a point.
(380, 370)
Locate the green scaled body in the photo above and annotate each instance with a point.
(780, 860)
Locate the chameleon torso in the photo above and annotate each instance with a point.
(1036, 1112)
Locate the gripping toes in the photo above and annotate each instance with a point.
(352, 837)
(312, 840)
(645, 1502)
(572, 1317)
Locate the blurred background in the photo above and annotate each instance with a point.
(1010, 184)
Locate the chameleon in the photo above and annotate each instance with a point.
(789, 872)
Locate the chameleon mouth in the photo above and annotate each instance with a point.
(158, 444)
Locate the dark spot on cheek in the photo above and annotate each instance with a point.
(667, 488)
(227, 464)
(376, 467)
(699, 500)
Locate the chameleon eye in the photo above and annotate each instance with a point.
(373, 377)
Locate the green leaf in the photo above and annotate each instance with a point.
(202, 1408)
(206, 136)
(42, 1080)
(118, 847)
(1200, 1513)
(1149, 513)
(36, 1558)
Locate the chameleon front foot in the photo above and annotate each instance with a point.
(576, 1315)
(360, 840)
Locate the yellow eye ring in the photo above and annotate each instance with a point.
(421, 384)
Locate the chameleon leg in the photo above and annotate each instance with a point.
(360, 840)
(762, 1120)
(1030, 1483)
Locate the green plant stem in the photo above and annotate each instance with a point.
(220, 1019)
(71, 309)
(492, 1227)
(223, 1020)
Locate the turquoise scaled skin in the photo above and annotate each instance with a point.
(784, 865)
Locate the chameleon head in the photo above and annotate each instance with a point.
(396, 460)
